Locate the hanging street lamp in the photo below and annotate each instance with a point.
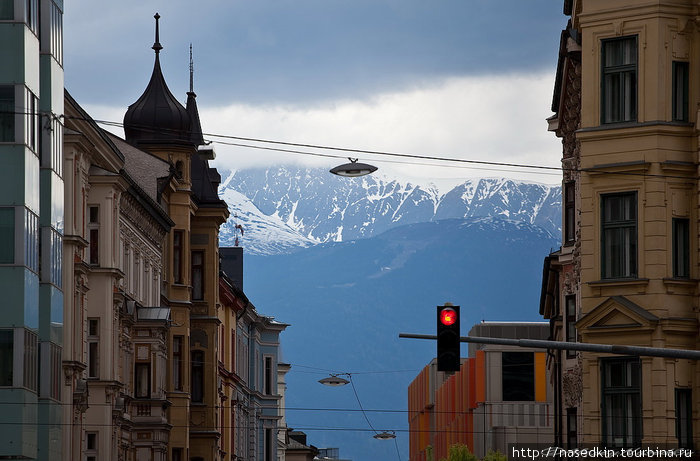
(353, 169)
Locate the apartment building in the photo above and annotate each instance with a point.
(625, 104)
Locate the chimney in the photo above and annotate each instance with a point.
(232, 264)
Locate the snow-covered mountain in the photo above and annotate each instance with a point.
(262, 234)
(286, 208)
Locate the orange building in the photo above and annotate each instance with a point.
(499, 396)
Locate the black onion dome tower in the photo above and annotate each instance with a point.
(157, 116)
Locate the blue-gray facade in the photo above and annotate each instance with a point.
(31, 228)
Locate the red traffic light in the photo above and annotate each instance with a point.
(448, 316)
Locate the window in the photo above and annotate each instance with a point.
(7, 235)
(571, 323)
(91, 446)
(31, 123)
(622, 403)
(269, 378)
(31, 240)
(50, 370)
(569, 212)
(142, 375)
(684, 418)
(7, 114)
(269, 448)
(680, 71)
(681, 247)
(619, 235)
(6, 357)
(56, 33)
(177, 256)
(197, 377)
(177, 454)
(197, 275)
(31, 14)
(94, 234)
(177, 362)
(52, 145)
(619, 80)
(7, 11)
(232, 355)
(31, 357)
(93, 348)
(571, 438)
(518, 376)
(51, 257)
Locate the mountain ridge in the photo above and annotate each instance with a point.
(285, 209)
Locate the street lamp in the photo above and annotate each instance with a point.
(353, 169)
(333, 380)
(385, 435)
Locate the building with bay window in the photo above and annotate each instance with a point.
(115, 353)
(31, 228)
(625, 104)
(158, 126)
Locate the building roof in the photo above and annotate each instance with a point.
(144, 168)
(205, 183)
(157, 115)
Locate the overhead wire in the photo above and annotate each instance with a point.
(502, 429)
(542, 169)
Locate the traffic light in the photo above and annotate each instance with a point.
(448, 338)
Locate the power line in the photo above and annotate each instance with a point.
(501, 429)
(542, 169)
(307, 409)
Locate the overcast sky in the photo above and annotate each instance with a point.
(468, 79)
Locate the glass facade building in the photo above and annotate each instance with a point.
(31, 227)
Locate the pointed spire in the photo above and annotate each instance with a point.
(191, 71)
(156, 45)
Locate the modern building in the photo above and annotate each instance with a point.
(500, 396)
(625, 104)
(31, 228)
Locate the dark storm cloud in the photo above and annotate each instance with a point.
(301, 51)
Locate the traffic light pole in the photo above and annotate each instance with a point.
(569, 346)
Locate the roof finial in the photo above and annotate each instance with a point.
(191, 71)
(157, 46)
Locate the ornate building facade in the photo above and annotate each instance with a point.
(164, 358)
(249, 377)
(626, 109)
(161, 127)
(116, 360)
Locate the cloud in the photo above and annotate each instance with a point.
(486, 118)
(266, 51)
